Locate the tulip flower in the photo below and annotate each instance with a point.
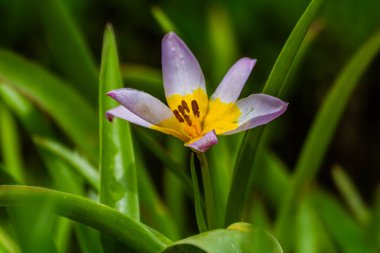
(190, 115)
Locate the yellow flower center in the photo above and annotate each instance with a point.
(194, 116)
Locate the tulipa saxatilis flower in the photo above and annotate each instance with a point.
(191, 116)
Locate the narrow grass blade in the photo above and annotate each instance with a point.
(199, 213)
(71, 111)
(10, 144)
(143, 78)
(249, 148)
(118, 188)
(341, 226)
(101, 217)
(324, 126)
(69, 48)
(81, 165)
(306, 232)
(154, 212)
(163, 20)
(351, 195)
(222, 43)
(167, 159)
(174, 192)
(7, 243)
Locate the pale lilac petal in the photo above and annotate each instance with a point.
(203, 144)
(180, 69)
(258, 109)
(142, 104)
(233, 82)
(124, 113)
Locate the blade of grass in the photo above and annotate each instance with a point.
(7, 243)
(323, 128)
(174, 193)
(118, 181)
(154, 212)
(10, 142)
(223, 47)
(143, 78)
(101, 217)
(163, 20)
(80, 164)
(342, 229)
(71, 112)
(69, 48)
(201, 222)
(249, 148)
(350, 194)
(168, 160)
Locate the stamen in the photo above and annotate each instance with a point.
(188, 120)
(185, 107)
(178, 116)
(181, 110)
(195, 108)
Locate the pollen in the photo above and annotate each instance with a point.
(189, 119)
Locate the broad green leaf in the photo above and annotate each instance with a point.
(236, 239)
(71, 112)
(82, 166)
(106, 219)
(324, 126)
(118, 183)
(350, 194)
(69, 48)
(249, 148)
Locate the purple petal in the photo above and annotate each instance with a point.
(181, 71)
(258, 109)
(124, 113)
(203, 144)
(142, 104)
(233, 82)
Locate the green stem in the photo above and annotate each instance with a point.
(209, 196)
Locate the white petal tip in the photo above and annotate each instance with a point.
(204, 143)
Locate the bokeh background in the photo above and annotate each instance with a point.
(219, 33)
(258, 29)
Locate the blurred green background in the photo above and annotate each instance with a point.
(258, 29)
(218, 33)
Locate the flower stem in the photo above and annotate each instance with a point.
(208, 191)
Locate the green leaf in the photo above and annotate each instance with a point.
(7, 243)
(251, 142)
(341, 226)
(82, 166)
(69, 48)
(324, 126)
(72, 113)
(118, 187)
(154, 211)
(238, 238)
(163, 20)
(106, 219)
(223, 47)
(350, 194)
(10, 145)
